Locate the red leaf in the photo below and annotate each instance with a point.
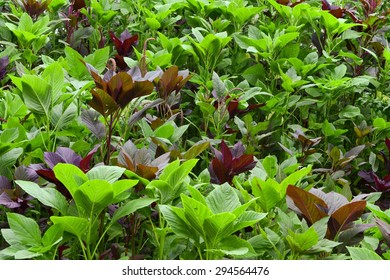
(342, 218)
(227, 156)
(243, 163)
(309, 204)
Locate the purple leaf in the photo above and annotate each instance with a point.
(28, 173)
(6, 201)
(5, 184)
(62, 155)
(4, 61)
(91, 119)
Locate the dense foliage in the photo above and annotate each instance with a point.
(194, 129)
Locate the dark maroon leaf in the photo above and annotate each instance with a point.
(336, 11)
(354, 235)
(218, 173)
(85, 163)
(35, 8)
(226, 165)
(243, 163)
(227, 156)
(103, 102)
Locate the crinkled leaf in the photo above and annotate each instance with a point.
(223, 199)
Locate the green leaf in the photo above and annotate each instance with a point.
(248, 218)
(130, 207)
(9, 158)
(270, 164)
(363, 254)
(301, 242)
(52, 236)
(223, 199)
(98, 59)
(254, 73)
(268, 192)
(122, 186)
(218, 86)
(109, 173)
(75, 67)
(175, 218)
(47, 196)
(196, 150)
(37, 95)
(70, 175)
(61, 117)
(9, 135)
(218, 226)
(165, 131)
(54, 76)
(235, 246)
(176, 176)
(153, 23)
(195, 213)
(74, 225)
(93, 196)
(349, 112)
(26, 230)
(295, 177)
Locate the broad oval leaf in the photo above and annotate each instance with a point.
(26, 230)
(93, 196)
(47, 196)
(130, 207)
(311, 207)
(74, 225)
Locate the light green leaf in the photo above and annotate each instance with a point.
(175, 218)
(122, 186)
(26, 230)
(223, 199)
(70, 175)
(37, 95)
(93, 196)
(218, 226)
(74, 225)
(130, 207)
(248, 218)
(109, 173)
(363, 254)
(52, 236)
(47, 196)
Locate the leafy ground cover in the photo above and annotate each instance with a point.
(195, 129)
